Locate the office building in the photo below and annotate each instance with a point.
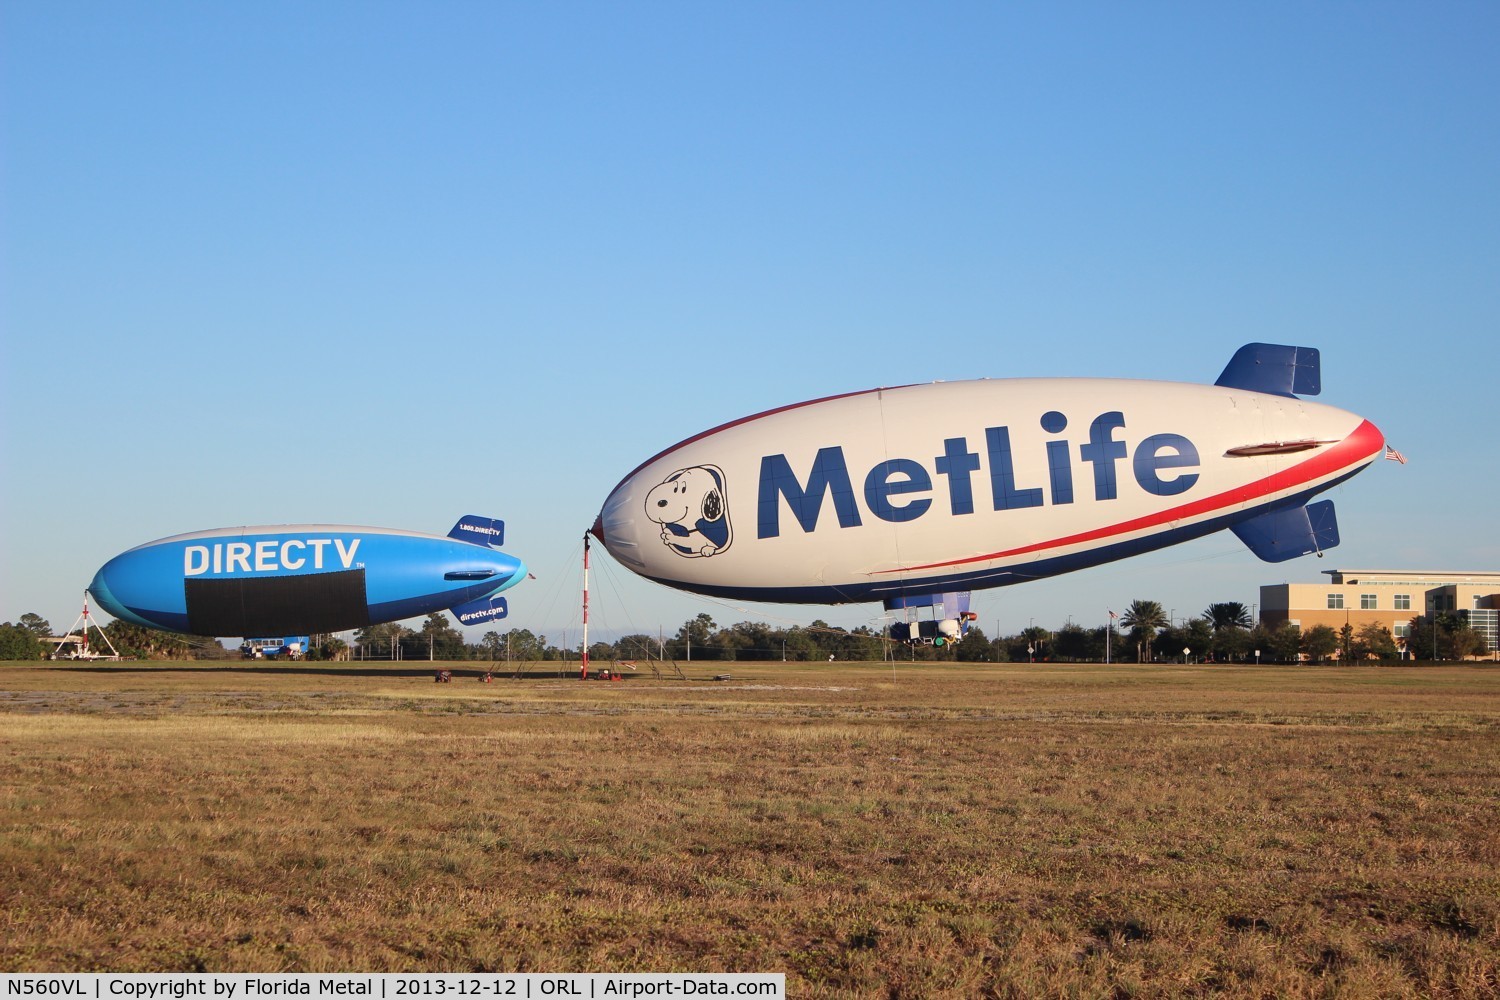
(1387, 597)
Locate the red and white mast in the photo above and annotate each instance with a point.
(82, 625)
(584, 670)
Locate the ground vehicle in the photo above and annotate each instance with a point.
(291, 647)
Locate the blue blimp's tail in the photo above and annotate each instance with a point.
(489, 532)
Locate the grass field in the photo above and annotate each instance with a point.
(909, 832)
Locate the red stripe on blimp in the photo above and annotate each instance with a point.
(1363, 443)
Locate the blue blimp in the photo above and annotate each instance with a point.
(307, 578)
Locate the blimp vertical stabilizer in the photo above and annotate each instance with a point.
(1276, 369)
(896, 494)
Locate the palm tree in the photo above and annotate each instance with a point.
(1036, 638)
(1226, 614)
(1143, 618)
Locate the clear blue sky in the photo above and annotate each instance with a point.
(390, 263)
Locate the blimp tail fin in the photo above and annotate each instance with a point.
(1279, 535)
(486, 531)
(486, 609)
(1274, 368)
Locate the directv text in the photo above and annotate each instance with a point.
(269, 556)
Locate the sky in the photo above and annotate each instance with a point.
(391, 263)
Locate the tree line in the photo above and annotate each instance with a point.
(1223, 633)
(24, 640)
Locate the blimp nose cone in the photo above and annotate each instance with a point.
(103, 596)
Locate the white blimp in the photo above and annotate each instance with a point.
(915, 495)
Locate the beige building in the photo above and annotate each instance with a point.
(1387, 597)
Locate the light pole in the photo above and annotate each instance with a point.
(1344, 637)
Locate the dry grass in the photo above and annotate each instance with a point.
(922, 831)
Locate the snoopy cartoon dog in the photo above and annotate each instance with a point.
(692, 511)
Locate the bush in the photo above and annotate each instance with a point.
(17, 643)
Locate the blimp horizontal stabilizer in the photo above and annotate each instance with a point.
(482, 611)
(1279, 535)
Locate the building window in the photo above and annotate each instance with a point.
(1335, 601)
(1401, 630)
(1403, 602)
(1367, 602)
